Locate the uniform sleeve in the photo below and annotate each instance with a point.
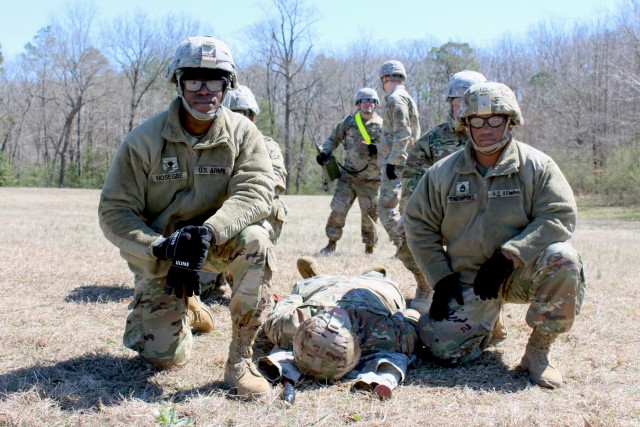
(554, 214)
(251, 188)
(400, 134)
(422, 223)
(122, 203)
(335, 139)
(418, 161)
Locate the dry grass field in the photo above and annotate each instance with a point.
(64, 293)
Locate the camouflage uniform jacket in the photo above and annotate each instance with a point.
(522, 205)
(434, 145)
(357, 159)
(373, 301)
(159, 181)
(401, 127)
(279, 169)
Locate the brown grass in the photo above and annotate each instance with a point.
(65, 292)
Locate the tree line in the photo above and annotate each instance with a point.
(80, 86)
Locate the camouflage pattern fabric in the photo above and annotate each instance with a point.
(357, 159)
(554, 287)
(360, 177)
(375, 305)
(348, 189)
(157, 327)
(279, 211)
(401, 128)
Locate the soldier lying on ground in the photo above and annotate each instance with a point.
(333, 326)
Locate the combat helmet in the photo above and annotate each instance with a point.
(393, 68)
(461, 81)
(197, 53)
(366, 93)
(489, 98)
(324, 346)
(242, 99)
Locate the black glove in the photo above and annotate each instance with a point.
(445, 290)
(322, 158)
(391, 171)
(178, 243)
(491, 275)
(373, 149)
(188, 247)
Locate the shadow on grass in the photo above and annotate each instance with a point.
(100, 294)
(488, 373)
(86, 382)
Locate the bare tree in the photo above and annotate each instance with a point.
(142, 48)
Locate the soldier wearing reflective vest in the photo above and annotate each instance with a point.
(359, 135)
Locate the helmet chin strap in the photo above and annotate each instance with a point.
(493, 148)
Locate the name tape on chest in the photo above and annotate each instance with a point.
(172, 176)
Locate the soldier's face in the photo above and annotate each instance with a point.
(455, 106)
(487, 134)
(367, 107)
(203, 100)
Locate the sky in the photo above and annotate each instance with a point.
(341, 22)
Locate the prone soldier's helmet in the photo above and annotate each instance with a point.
(393, 68)
(197, 53)
(324, 346)
(242, 99)
(489, 98)
(366, 93)
(461, 81)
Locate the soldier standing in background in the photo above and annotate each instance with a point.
(189, 189)
(490, 225)
(401, 129)
(434, 145)
(359, 134)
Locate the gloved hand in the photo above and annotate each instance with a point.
(322, 158)
(391, 171)
(373, 149)
(491, 275)
(178, 243)
(445, 290)
(188, 247)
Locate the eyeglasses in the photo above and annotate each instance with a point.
(493, 121)
(368, 101)
(196, 85)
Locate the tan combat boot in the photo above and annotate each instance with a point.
(421, 302)
(199, 316)
(536, 361)
(500, 332)
(240, 372)
(329, 249)
(308, 267)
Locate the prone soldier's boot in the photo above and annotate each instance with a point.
(329, 249)
(240, 372)
(199, 316)
(536, 360)
(308, 267)
(421, 302)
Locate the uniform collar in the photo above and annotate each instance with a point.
(508, 162)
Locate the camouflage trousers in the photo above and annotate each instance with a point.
(157, 325)
(554, 287)
(405, 255)
(348, 189)
(389, 205)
